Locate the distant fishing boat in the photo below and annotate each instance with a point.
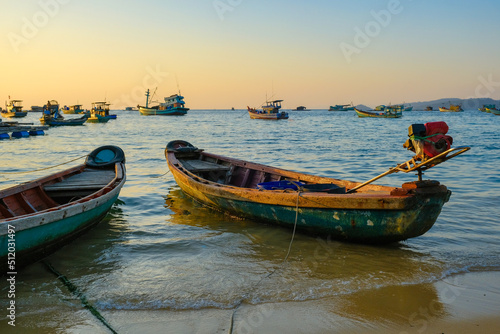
(487, 107)
(271, 110)
(301, 108)
(14, 109)
(99, 113)
(75, 109)
(52, 117)
(494, 111)
(341, 107)
(410, 108)
(452, 108)
(96, 118)
(344, 210)
(429, 108)
(174, 105)
(52, 106)
(61, 121)
(36, 109)
(47, 213)
(388, 112)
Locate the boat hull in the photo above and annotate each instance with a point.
(67, 122)
(96, 118)
(493, 111)
(381, 114)
(157, 112)
(274, 116)
(363, 218)
(450, 110)
(38, 241)
(12, 114)
(38, 217)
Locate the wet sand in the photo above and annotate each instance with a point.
(467, 303)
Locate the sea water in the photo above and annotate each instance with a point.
(159, 250)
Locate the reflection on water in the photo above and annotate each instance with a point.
(316, 268)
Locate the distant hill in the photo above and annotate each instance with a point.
(363, 107)
(467, 104)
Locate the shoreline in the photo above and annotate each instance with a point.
(465, 303)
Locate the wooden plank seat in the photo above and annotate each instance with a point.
(200, 166)
(89, 180)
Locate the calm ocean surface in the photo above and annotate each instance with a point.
(158, 250)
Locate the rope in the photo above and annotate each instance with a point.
(425, 138)
(275, 270)
(157, 177)
(74, 290)
(38, 170)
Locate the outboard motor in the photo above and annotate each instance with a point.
(428, 140)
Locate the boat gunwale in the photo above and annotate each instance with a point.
(100, 193)
(359, 201)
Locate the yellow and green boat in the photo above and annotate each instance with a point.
(341, 209)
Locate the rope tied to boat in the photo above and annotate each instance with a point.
(42, 169)
(157, 177)
(245, 296)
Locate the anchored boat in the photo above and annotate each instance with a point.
(341, 107)
(345, 210)
(494, 111)
(47, 213)
(452, 108)
(74, 109)
(100, 113)
(269, 111)
(14, 109)
(174, 105)
(386, 112)
(52, 116)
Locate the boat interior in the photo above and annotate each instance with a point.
(243, 174)
(59, 189)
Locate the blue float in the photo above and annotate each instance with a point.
(37, 133)
(4, 136)
(20, 134)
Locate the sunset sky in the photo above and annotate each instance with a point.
(231, 53)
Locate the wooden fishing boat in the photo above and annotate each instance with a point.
(61, 121)
(96, 118)
(271, 110)
(301, 108)
(38, 217)
(342, 209)
(14, 110)
(101, 109)
(75, 109)
(452, 108)
(174, 105)
(386, 113)
(494, 111)
(341, 107)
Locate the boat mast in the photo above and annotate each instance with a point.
(147, 98)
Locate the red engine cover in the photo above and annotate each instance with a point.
(438, 143)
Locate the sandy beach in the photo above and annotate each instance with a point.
(466, 303)
(463, 304)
